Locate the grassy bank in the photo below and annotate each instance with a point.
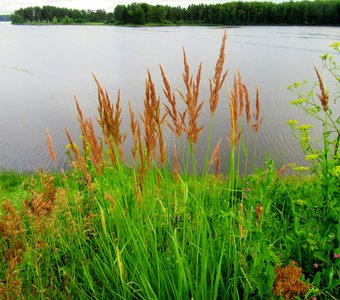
(14, 186)
(155, 228)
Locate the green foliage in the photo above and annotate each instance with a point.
(320, 245)
(230, 13)
(322, 153)
(14, 186)
(234, 13)
(51, 14)
(66, 20)
(179, 240)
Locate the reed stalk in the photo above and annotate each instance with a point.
(256, 125)
(50, 147)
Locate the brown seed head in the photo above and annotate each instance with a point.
(219, 76)
(50, 146)
(324, 95)
(216, 158)
(177, 121)
(258, 119)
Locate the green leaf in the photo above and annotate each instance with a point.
(271, 274)
(321, 256)
(324, 57)
(335, 45)
(317, 279)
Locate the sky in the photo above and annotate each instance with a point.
(9, 6)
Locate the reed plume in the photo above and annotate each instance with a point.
(151, 104)
(283, 169)
(258, 119)
(141, 167)
(74, 148)
(219, 77)
(96, 148)
(233, 97)
(159, 120)
(110, 120)
(91, 147)
(177, 118)
(134, 126)
(194, 108)
(324, 98)
(240, 92)
(50, 146)
(79, 162)
(216, 158)
(81, 122)
(246, 96)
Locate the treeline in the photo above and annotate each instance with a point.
(321, 12)
(234, 13)
(5, 18)
(52, 14)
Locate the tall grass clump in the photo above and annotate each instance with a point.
(153, 227)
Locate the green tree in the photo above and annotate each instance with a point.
(67, 20)
(120, 14)
(17, 18)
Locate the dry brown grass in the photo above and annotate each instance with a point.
(12, 235)
(42, 203)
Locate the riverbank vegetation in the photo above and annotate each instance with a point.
(325, 12)
(153, 227)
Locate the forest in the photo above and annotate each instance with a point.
(231, 13)
(5, 18)
(52, 14)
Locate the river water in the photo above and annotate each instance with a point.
(42, 68)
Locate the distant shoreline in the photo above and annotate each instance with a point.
(293, 13)
(172, 25)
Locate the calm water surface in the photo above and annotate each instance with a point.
(43, 67)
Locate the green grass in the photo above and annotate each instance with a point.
(178, 241)
(14, 186)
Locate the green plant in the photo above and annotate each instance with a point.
(323, 208)
(324, 154)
